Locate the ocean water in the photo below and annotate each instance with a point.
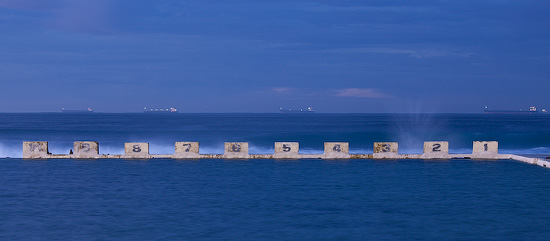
(164, 199)
(527, 134)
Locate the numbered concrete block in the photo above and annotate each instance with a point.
(485, 148)
(236, 150)
(136, 150)
(435, 148)
(35, 149)
(85, 149)
(337, 150)
(287, 150)
(186, 149)
(385, 150)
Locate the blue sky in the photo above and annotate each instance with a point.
(257, 56)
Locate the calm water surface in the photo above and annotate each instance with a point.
(266, 199)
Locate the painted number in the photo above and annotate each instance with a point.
(436, 147)
(286, 148)
(337, 148)
(386, 147)
(136, 148)
(33, 146)
(485, 147)
(188, 147)
(236, 148)
(85, 147)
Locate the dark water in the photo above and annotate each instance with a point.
(267, 199)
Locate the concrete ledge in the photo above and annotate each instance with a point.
(386, 150)
(433, 150)
(236, 150)
(287, 150)
(187, 149)
(336, 150)
(86, 150)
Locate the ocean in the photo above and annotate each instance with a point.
(165, 199)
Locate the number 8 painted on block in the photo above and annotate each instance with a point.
(136, 148)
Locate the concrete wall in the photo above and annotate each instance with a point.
(35, 149)
(86, 149)
(136, 150)
(385, 150)
(436, 149)
(237, 150)
(337, 150)
(485, 148)
(187, 149)
(287, 150)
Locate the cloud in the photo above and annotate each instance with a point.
(30, 4)
(80, 16)
(281, 90)
(84, 16)
(414, 53)
(361, 93)
(385, 8)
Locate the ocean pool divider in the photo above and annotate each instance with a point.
(385, 150)
(486, 150)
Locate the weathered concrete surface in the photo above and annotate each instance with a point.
(360, 156)
(187, 149)
(336, 150)
(85, 149)
(485, 149)
(312, 156)
(482, 150)
(35, 149)
(236, 150)
(385, 150)
(436, 149)
(529, 160)
(136, 150)
(287, 150)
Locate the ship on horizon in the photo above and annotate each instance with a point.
(160, 110)
(532, 110)
(89, 110)
(308, 110)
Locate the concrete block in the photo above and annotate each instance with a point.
(136, 150)
(186, 149)
(385, 150)
(436, 148)
(236, 150)
(85, 149)
(337, 150)
(485, 149)
(287, 150)
(35, 149)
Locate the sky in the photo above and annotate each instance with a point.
(337, 56)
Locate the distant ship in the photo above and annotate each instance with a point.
(89, 110)
(308, 110)
(160, 110)
(532, 110)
